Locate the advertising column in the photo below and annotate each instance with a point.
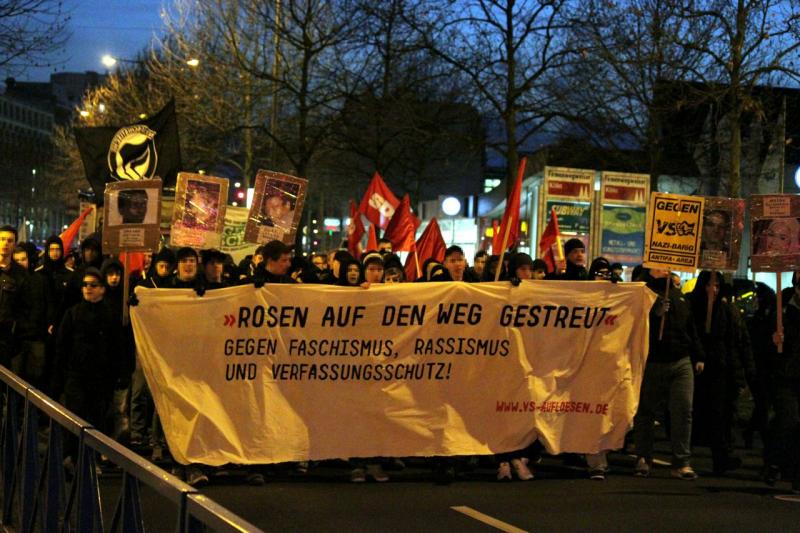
(569, 191)
(622, 217)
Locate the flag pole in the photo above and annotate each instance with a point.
(506, 232)
(125, 289)
(710, 306)
(666, 297)
(779, 313)
(416, 261)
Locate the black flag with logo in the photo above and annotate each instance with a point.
(145, 150)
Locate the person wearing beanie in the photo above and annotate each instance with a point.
(393, 271)
(539, 269)
(88, 355)
(521, 266)
(575, 257)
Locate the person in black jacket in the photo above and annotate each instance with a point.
(785, 427)
(13, 290)
(575, 258)
(29, 358)
(186, 272)
(716, 389)
(276, 265)
(89, 357)
(668, 375)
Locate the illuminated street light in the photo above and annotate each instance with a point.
(108, 60)
(193, 62)
(84, 113)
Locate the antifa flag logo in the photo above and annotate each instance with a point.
(132, 153)
(146, 149)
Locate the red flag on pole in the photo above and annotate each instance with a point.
(402, 228)
(135, 262)
(355, 230)
(550, 239)
(509, 227)
(430, 244)
(378, 204)
(69, 234)
(372, 239)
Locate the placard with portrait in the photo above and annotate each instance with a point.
(721, 240)
(198, 217)
(276, 209)
(131, 215)
(775, 232)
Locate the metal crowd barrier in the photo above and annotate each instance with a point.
(36, 495)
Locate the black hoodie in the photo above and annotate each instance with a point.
(72, 294)
(680, 335)
(56, 276)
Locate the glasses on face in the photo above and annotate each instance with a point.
(90, 284)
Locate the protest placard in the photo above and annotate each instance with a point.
(131, 216)
(294, 373)
(775, 232)
(674, 226)
(721, 240)
(276, 209)
(198, 217)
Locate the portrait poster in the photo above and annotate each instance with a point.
(131, 216)
(721, 241)
(198, 217)
(775, 232)
(276, 209)
(674, 226)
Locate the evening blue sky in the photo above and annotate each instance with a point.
(121, 28)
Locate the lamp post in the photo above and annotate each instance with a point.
(451, 207)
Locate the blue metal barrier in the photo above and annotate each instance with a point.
(47, 502)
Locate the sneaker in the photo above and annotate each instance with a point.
(642, 468)
(597, 474)
(358, 475)
(521, 469)
(685, 473)
(254, 479)
(195, 477)
(504, 472)
(375, 471)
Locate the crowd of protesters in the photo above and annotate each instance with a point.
(62, 329)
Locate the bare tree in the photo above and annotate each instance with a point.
(509, 50)
(30, 30)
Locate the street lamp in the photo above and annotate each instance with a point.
(108, 60)
(193, 62)
(451, 207)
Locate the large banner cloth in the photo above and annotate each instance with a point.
(292, 373)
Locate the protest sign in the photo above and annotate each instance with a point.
(233, 242)
(674, 226)
(775, 226)
(89, 224)
(131, 216)
(622, 216)
(276, 209)
(198, 216)
(293, 373)
(568, 191)
(721, 240)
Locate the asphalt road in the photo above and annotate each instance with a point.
(560, 498)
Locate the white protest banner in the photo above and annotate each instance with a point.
(674, 226)
(292, 373)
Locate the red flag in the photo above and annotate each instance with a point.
(402, 228)
(378, 204)
(68, 235)
(135, 262)
(550, 237)
(355, 230)
(430, 244)
(372, 239)
(509, 227)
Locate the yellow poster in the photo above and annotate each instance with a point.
(674, 226)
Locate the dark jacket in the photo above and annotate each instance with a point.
(787, 364)
(22, 309)
(89, 347)
(56, 276)
(680, 335)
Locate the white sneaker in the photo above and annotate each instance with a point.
(521, 469)
(504, 472)
(376, 472)
(357, 475)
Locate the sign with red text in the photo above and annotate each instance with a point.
(426, 369)
(775, 238)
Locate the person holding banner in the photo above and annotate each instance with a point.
(669, 375)
(575, 257)
(186, 272)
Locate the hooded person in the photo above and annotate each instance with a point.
(716, 389)
(350, 273)
(539, 269)
(393, 271)
(521, 266)
(56, 276)
(159, 275)
(90, 255)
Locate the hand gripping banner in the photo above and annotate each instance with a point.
(292, 373)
